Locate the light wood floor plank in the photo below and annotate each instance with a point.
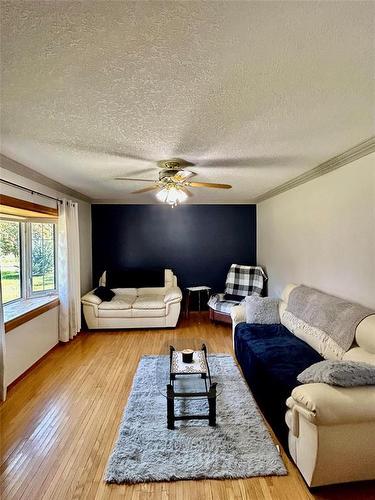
(60, 422)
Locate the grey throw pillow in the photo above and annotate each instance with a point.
(262, 310)
(341, 373)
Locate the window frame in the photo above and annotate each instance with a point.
(27, 292)
(29, 244)
(21, 257)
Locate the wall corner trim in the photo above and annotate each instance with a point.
(355, 153)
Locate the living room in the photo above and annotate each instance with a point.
(187, 250)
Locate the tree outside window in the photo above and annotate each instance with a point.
(27, 259)
(10, 260)
(43, 256)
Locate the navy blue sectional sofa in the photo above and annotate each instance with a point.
(271, 358)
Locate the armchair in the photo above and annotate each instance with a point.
(241, 281)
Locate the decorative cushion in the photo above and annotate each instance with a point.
(341, 373)
(118, 302)
(104, 293)
(262, 310)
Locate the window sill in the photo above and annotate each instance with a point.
(18, 313)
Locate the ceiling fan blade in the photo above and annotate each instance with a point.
(132, 179)
(187, 191)
(145, 190)
(183, 175)
(208, 185)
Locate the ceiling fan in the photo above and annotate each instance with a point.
(174, 182)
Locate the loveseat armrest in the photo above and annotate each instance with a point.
(325, 404)
(91, 298)
(173, 294)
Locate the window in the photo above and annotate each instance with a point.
(10, 255)
(42, 257)
(27, 259)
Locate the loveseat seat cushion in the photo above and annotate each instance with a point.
(149, 313)
(115, 313)
(271, 358)
(149, 302)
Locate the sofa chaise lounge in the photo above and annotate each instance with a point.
(328, 430)
(150, 307)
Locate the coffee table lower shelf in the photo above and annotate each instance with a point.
(210, 395)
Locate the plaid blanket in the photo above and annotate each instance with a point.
(245, 280)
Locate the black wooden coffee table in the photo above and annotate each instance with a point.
(179, 380)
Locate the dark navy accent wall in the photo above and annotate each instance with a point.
(199, 242)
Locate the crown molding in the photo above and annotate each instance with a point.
(359, 151)
(32, 175)
(120, 201)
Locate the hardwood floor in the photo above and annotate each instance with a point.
(59, 424)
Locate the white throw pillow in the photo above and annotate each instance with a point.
(262, 310)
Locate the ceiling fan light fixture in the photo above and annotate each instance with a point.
(173, 195)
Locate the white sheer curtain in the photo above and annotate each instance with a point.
(3, 387)
(68, 271)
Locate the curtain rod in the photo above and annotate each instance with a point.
(32, 191)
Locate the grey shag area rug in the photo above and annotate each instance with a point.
(239, 446)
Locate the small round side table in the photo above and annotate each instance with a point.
(198, 290)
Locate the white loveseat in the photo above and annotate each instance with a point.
(157, 307)
(331, 429)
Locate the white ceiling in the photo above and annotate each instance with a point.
(253, 93)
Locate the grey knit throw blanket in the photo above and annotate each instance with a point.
(337, 317)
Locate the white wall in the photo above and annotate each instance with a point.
(322, 234)
(29, 342)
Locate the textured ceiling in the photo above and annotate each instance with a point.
(253, 93)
